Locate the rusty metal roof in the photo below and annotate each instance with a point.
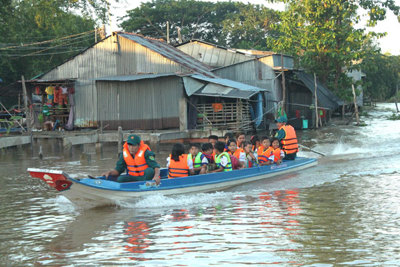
(170, 52)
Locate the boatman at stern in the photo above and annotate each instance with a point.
(287, 136)
(139, 161)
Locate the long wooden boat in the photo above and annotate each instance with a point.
(97, 191)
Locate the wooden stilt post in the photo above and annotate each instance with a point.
(27, 111)
(283, 86)
(316, 101)
(396, 97)
(355, 104)
(343, 109)
(120, 140)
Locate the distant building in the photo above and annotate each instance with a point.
(268, 70)
(142, 83)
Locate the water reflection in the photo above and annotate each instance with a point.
(137, 233)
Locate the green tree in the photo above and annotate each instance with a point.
(321, 35)
(250, 27)
(26, 27)
(195, 19)
(229, 24)
(382, 75)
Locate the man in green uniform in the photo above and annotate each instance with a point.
(135, 148)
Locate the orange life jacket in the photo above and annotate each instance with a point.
(136, 165)
(260, 149)
(276, 153)
(289, 143)
(178, 168)
(264, 154)
(237, 152)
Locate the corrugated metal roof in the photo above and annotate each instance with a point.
(326, 98)
(233, 50)
(218, 87)
(170, 52)
(212, 55)
(126, 78)
(229, 83)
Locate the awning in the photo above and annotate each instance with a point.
(326, 98)
(217, 87)
(127, 78)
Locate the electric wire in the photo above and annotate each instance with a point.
(39, 47)
(48, 41)
(66, 44)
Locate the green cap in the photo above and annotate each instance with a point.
(133, 140)
(281, 119)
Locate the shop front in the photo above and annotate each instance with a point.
(52, 104)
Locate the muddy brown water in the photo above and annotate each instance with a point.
(345, 211)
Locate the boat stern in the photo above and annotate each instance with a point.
(55, 179)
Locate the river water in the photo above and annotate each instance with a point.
(345, 211)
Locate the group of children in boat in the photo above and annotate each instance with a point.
(216, 156)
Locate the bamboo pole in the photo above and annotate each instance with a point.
(283, 86)
(355, 104)
(11, 116)
(27, 111)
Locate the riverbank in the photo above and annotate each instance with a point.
(154, 138)
(70, 138)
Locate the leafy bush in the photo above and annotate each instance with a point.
(394, 117)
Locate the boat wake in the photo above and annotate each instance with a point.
(189, 200)
(63, 205)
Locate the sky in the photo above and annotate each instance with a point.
(390, 43)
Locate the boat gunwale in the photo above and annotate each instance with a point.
(257, 171)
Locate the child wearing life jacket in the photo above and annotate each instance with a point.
(251, 158)
(240, 138)
(199, 160)
(277, 154)
(264, 151)
(207, 150)
(228, 136)
(238, 157)
(222, 159)
(179, 164)
(255, 141)
(213, 139)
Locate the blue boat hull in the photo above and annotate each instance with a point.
(89, 192)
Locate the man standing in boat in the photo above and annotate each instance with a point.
(138, 160)
(288, 138)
